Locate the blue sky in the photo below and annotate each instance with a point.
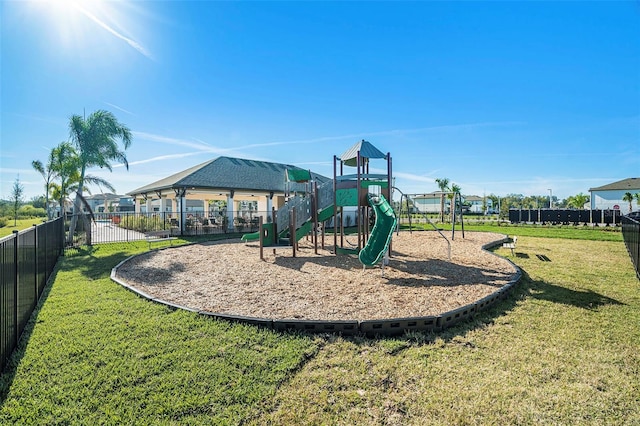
(498, 97)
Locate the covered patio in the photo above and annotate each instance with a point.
(226, 193)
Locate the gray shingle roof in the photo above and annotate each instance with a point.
(227, 173)
(631, 184)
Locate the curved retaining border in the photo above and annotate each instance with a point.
(383, 327)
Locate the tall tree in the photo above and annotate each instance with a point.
(443, 184)
(96, 142)
(637, 197)
(48, 174)
(16, 198)
(628, 197)
(66, 165)
(495, 202)
(455, 190)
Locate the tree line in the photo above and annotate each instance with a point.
(493, 203)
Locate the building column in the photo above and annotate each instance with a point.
(230, 210)
(269, 205)
(136, 202)
(149, 208)
(166, 207)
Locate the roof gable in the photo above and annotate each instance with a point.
(631, 184)
(350, 156)
(228, 173)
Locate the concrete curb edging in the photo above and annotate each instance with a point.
(370, 328)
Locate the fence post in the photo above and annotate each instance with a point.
(16, 333)
(35, 260)
(47, 229)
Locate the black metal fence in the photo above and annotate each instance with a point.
(631, 235)
(566, 216)
(131, 226)
(28, 258)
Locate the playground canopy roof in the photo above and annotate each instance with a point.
(227, 174)
(367, 150)
(298, 175)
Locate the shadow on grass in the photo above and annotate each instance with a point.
(585, 299)
(525, 289)
(90, 266)
(82, 259)
(10, 369)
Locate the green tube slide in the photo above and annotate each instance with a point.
(382, 231)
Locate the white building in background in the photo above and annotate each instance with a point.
(108, 203)
(429, 203)
(477, 204)
(609, 197)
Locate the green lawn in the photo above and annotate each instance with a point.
(563, 349)
(601, 233)
(20, 225)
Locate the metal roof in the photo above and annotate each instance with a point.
(350, 156)
(629, 184)
(227, 173)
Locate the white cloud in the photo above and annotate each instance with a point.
(133, 43)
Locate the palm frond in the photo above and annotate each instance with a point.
(95, 180)
(86, 204)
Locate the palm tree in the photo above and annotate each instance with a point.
(66, 165)
(628, 197)
(637, 197)
(443, 184)
(455, 190)
(95, 140)
(578, 201)
(48, 174)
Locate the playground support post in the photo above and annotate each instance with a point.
(292, 230)
(457, 202)
(389, 183)
(358, 184)
(261, 238)
(335, 209)
(314, 207)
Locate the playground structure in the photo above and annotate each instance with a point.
(285, 292)
(365, 191)
(306, 213)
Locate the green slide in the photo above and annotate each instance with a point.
(381, 233)
(304, 229)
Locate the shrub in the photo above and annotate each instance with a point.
(28, 211)
(141, 223)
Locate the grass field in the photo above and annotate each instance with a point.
(572, 232)
(563, 349)
(20, 225)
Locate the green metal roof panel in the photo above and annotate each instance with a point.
(350, 156)
(298, 175)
